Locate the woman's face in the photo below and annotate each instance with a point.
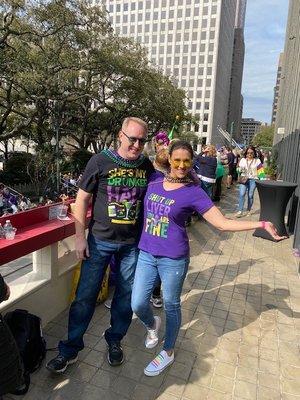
(181, 163)
(250, 153)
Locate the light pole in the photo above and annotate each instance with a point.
(55, 142)
(231, 132)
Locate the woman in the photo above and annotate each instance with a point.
(164, 247)
(248, 169)
(205, 167)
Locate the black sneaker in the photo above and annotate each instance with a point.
(115, 354)
(59, 364)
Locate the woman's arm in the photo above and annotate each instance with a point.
(219, 221)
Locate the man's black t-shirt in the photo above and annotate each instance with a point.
(118, 194)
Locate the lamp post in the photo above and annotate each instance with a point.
(55, 142)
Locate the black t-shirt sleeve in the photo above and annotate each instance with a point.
(149, 166)
(90, 177)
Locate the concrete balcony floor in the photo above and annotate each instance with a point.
(239, 337)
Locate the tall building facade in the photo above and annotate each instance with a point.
(191, 41)
(235, 97)
(277, 88)
(249, 129)
(288, 109)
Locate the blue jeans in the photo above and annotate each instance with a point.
(249, 187)
(172, 273)
(91, 276)
(207, 187)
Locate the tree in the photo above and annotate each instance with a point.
(264, 138)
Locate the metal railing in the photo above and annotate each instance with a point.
(287, 154)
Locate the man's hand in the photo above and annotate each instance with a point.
(82, 248)
(269, 227)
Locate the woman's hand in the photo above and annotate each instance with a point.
(269, 227)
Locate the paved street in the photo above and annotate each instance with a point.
(239, 337)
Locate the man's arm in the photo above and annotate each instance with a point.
(80, 212)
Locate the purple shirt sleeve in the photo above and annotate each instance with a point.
(201, 201)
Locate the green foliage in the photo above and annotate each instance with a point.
(63, 69)
(77, 161)
(16, 169)
(264, 138)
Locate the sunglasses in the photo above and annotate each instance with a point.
(178, 163)
(133, 139)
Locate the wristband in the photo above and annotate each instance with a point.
(263, 224)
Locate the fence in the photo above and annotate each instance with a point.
(288, 163)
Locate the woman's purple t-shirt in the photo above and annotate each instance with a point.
(165, 212)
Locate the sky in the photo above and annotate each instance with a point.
(264, 40)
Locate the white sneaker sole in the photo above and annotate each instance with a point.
(60, 371)
(155, 373)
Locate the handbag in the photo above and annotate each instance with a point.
(242, 179)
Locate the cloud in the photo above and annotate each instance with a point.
(264, 40)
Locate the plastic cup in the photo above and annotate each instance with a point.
(63, 211)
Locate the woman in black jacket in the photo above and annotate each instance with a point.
(11, 372)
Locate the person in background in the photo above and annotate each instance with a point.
(164, 247)
(230, 158)
(205, 166)
(217, 190)
(249, 170)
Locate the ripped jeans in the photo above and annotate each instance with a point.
(172, 273)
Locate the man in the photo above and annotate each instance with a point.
(116, 182)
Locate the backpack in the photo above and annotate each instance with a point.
(27, 331)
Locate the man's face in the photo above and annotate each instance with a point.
(132, 140)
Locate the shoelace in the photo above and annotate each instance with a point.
(115, 347)
(157, 360)
(60, 358)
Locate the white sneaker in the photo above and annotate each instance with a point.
(152, 334)
(160, 362)
(239, 214)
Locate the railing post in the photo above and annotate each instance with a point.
(45, 260)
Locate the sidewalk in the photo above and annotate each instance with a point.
(239, 337)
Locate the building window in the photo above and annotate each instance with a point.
(187, 25)
(171, 14)
(205, 11)
(196, 12)
(140, 17)
(199, 94)
(132, 7)
(118, 7)
(212, 35)
(170, 26)
(214, 10)
(140, 5)
(195, 36)
(209, 70)
(179, 13)
(193, 60)
(188, 12)
(125, 19)
(211, 47)
(186, 48)
(125, 7)
(204, 23)
(203, 35)
(208, 82)
(179, 25)
(192, 71)
(155, 16)
(195, 24)
(204, 128)
(213, 22)
(194, 47)
(205, 117)
(200, 82)
(206, 105)
(198, 105)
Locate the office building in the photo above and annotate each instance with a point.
(249, 129)
(276, 89)
(191, 41)
(288, 108)
(235, 97)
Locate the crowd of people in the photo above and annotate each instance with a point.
(11, 202)
(139, 214)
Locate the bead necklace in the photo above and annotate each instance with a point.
(170, 179)
(115, 157)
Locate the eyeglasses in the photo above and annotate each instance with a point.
(133, 139)
(178, 163)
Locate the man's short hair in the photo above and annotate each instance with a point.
(139, 121)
